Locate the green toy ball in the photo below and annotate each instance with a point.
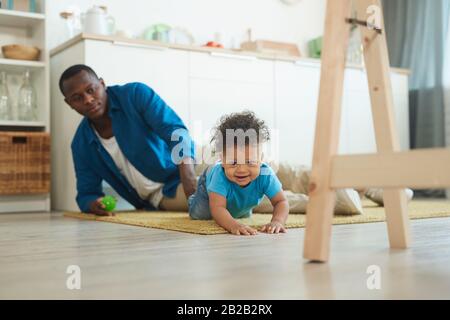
(109, 202)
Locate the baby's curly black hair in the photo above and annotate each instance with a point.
(245, 121)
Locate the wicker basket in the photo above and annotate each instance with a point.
(24, 163)
(20, 52)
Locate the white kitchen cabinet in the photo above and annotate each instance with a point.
(357, 107)
(215, 91)
(358, 127)
(297, 96)
(400, 88)
(230, 67)
(162, 69)
(297, 93)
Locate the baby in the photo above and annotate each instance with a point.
(231, 188)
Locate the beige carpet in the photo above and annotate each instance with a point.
(418, 209)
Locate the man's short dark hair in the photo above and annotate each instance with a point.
(73, 71)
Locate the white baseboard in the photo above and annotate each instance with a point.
(25, 203)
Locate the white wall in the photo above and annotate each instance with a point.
(269, 19)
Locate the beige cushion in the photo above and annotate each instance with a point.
(296, 179)
(297, 203)
(348, 202)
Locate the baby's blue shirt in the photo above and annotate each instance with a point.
(241, 200)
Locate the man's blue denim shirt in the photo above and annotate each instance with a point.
(146, 130)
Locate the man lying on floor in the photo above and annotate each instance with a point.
(126, 138)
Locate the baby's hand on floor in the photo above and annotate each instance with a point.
(273, 227)
(242, 230)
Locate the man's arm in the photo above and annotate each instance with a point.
(187, 176)
(169, 127)
(89, 187)
(164, 122)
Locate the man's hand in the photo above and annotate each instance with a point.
(273, 227)
(187, 176)
(98, 208)
(241, 230)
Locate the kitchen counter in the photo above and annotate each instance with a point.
(219, 51)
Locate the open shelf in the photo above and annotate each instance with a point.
(11, 18)
(16, 123)
(17, 65)
(26, 28)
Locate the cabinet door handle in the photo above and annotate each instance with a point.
(232, 56)
(139, 45)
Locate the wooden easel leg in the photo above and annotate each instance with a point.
(322, 197)
(380, 88)
(396, 207)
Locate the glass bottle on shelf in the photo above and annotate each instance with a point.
(27, 104)
(8, 4)
(72, 17)
(5, 100)
(32, 5)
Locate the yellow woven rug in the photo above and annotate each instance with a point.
(178, 221)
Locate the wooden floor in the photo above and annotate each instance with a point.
(119, 261)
